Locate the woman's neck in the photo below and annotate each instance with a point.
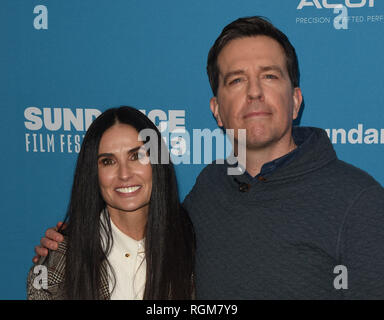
(130, 223)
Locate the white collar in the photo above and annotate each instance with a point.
(125, 242)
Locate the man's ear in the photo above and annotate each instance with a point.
(214, 105)
(297, 101)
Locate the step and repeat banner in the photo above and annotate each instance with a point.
(64, 62)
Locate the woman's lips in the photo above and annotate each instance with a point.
(128, 191)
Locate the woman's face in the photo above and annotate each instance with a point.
(125, 182)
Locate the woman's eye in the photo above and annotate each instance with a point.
(138, 156)
(106, 162)
(135, 156)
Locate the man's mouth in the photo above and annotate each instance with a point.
(257, 114)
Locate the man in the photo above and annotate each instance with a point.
(299, 223)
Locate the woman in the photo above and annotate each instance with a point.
(120, 200)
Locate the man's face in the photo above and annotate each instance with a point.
(255, 92)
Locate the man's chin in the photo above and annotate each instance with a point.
(260, 140)
(258, 145)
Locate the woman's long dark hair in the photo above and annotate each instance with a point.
(169, 237)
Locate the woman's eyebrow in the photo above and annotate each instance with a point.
(109, 154)
(135, 149)
(104, 155)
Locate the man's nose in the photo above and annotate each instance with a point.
(254, 90)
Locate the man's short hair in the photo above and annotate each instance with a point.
(251, 27)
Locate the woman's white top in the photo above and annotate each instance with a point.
(127, 258)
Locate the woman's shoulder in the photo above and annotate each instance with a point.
(45, 279)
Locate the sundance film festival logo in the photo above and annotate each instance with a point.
(342, 14)
(50, 130)
(359, 135)
(62, 130)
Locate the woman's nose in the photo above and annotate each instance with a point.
(125, 171)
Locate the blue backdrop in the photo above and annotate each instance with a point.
(62, 62)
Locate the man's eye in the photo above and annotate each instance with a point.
(270, 76)
(234, 81)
